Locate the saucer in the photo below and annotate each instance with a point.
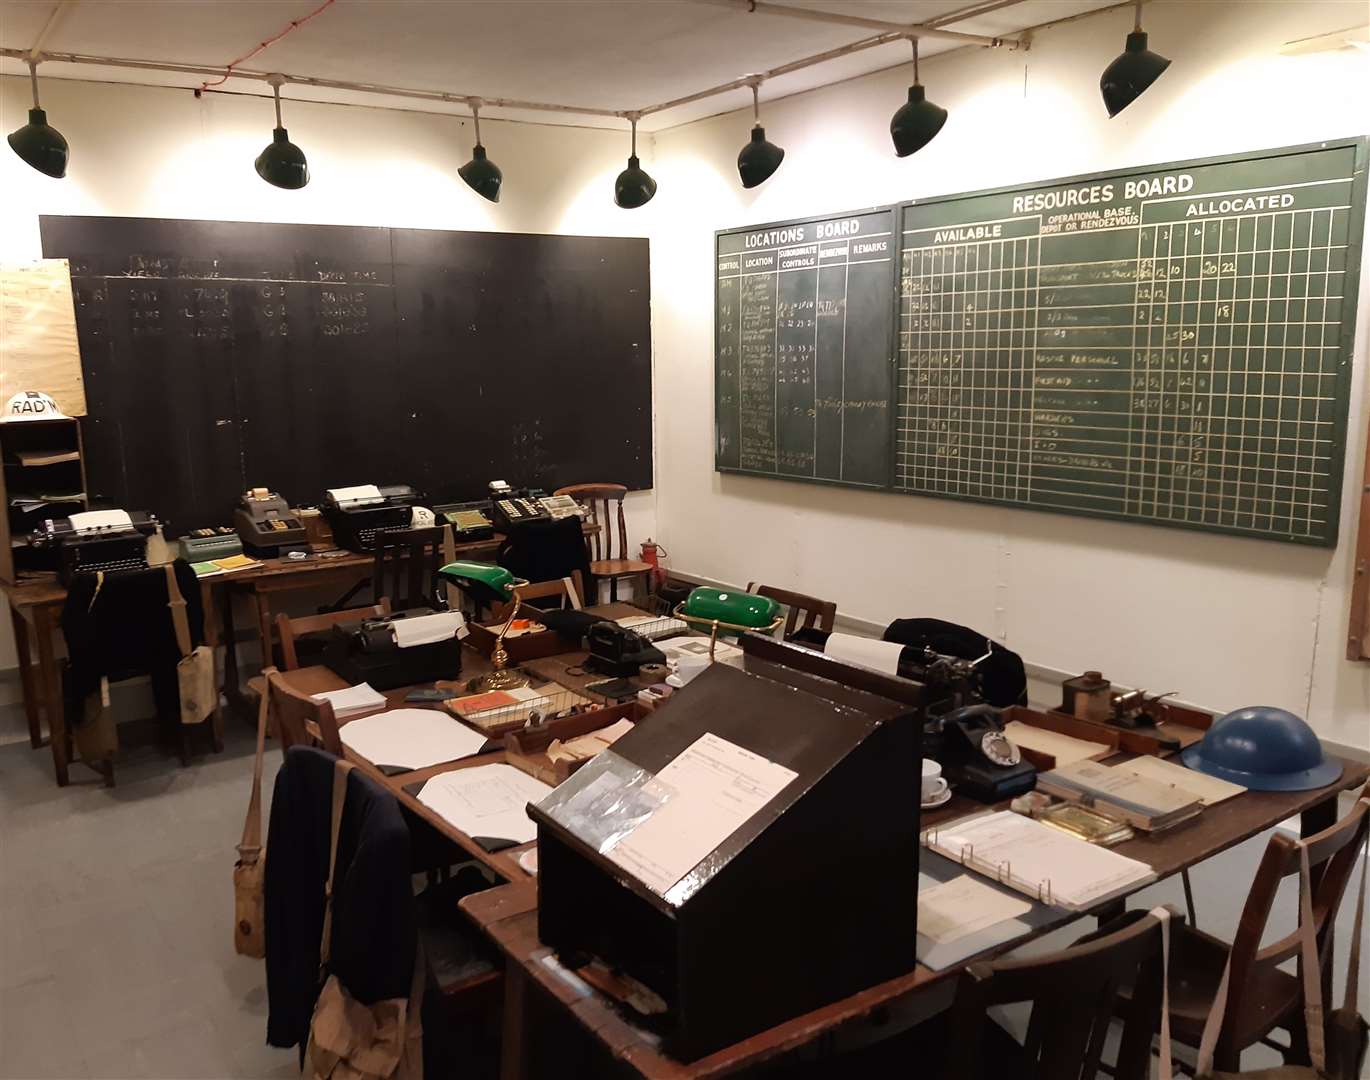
(939, 800)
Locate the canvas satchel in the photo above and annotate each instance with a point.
(195, 670)
(249, 913)
(1346, 1028)
(347, 1039)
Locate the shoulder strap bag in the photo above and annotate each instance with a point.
(195, 670)
(349, 1040)
(249, 914)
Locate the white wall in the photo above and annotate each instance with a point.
(1226, 621)
(145, 152)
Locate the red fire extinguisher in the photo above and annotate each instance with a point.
(653, 553)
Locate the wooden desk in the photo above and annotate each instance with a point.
(35, 604)
(509, 916)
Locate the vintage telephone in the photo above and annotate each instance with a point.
(511, 508)
(615, 650)
(977, 758)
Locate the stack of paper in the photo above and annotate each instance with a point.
(1037, 860)
(352, 701)
(411, 738)
(1142, 803)
(1066, 749)
(1208, 789)
(963, 906)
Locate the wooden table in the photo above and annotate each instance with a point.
(35, 605)
(509, 916)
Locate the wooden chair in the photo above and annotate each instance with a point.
(543, 590)
(1260, 997)
(817, 614)
(289, 630)
(406, 567)
(597, 499)
(292, 711)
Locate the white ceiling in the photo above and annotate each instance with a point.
(605, 54)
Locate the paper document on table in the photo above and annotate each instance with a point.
(352, 700)
(1207, 788)
(963, 906)
(411, 738)
(1038, 860)
(486, 800)
(697, 646)
(1066, 749)
(713, 787)
(426, 629)
(867, 652)
(358, 493)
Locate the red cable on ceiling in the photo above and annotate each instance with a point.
(228, 71)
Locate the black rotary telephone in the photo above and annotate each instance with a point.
(977, 758)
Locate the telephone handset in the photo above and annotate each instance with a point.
(977, 758)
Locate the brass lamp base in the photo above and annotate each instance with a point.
(504, 679)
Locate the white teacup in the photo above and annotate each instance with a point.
(934, 783)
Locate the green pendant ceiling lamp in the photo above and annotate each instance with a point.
(918, 120)
(759, 159)
(1135, 69)
(633, 187)
(481, 174)
(38, 143)
(282, 163)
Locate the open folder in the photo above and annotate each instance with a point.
(1037, 860)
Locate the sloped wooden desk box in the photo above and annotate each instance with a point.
(812, 899)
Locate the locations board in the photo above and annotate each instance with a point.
(804, 348)
(1171, 345)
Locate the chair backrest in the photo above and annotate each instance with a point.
(406, 567)
(290, 629)
(600, 502)
(1074, 995)
(293, 710)
(1332, 857)
(817, 614)
(542, 590)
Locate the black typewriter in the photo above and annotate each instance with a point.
(97, 540)
(358, 515)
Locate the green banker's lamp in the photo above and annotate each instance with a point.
(729, 611)
(486, 583)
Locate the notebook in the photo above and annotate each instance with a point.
(1142, 803)
(1037, 860)
(1207, 788)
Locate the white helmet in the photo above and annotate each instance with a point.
(422, 518)
(32, 405)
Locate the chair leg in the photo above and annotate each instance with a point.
(216, 729)
(613, 590)
(1189, 898)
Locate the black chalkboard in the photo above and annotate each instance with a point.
(804, 348)
(222, 355)
(1169, 345)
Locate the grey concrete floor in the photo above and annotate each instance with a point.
(116, 955)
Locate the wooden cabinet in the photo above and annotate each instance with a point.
(42, 475)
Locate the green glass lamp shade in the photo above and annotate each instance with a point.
(1127, 78)
(758, 159)
(634, 187)
(482, 175)
(916, 122)
(729, 606)
(282, 163)
(485, 583)
(41, 146)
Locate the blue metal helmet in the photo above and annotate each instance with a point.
(1265, 749)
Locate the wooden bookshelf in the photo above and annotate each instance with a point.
(40, 461)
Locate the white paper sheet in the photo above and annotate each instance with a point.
(486, 800)
(426, 629)
(411, 738)
(713, 787)
(963, 906)
(1066, 749)
(352, 700)
(675, 648)
(90, 520)
(356, 493)
(868, 652)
